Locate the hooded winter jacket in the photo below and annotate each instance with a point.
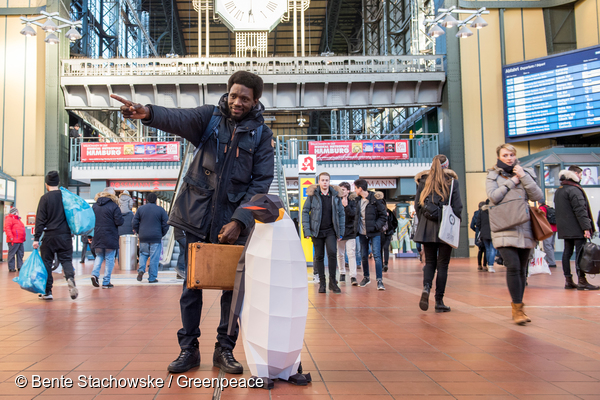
(108, 219)
(227, 171)
(428, 230)
(125, 203)
(500, 188)
(311, 212)
(14, 229)
(375, 214)
(350, 212)
(573, 215)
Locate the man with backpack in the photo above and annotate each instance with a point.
(549, 243)
(233, 162)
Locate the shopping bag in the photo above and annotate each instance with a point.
(80, 216)
(450, 226)
(538, 264)
(33, 275)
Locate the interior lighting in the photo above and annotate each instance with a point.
(52, 39)
(28, 31)
(449, 21)
(435, 31)
(73, 34)
(479, 23)
(464, 32)
(50, 26)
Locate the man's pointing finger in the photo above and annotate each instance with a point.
(122, 100)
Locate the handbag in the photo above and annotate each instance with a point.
(508, 214)
(538, 264)
(539, 224)
(589, 258)
(450, 225)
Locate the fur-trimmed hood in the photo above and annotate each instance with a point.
(354, 196)
(423, 174)
(565, 174)
(108, 195)
(313, 188)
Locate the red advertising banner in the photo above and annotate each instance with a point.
(130, 152)
(143, 185)
(359, 150)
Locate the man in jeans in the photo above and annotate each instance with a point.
(574, 223)
(150, 222)
(371, 216)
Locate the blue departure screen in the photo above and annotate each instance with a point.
(555, 94)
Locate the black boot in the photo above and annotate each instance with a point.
(322, 286)
(585, 285)
(440, 306)
(424, 303)
(569, 284)
(223, 359)
(188, 359)
(334, 287)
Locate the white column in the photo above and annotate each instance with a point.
(207, 29)
(296, 28)
(302, 38)
(200, 30)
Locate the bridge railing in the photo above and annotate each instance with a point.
(262, 66)
(421, 149)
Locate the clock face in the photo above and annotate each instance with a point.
(251, 15)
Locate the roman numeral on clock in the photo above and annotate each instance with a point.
(230, 6)
(239, 15)
(272, 6)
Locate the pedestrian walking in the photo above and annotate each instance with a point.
(15, 237)
(150, 223)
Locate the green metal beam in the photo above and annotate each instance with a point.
(513, 4)
(22, 10)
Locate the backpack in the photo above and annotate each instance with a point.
(551, 215)
(213, 128)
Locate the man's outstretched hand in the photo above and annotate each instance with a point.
(132, 110)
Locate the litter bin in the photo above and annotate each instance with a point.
(128, 252)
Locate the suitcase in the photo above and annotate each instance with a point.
(212, 266)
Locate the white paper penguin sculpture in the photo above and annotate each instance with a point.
(271, 294)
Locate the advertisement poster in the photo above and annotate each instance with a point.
(589, 176)
(130, 152)
(359, 150)
(307, 245)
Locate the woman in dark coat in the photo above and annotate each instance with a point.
(106, 235)
(433, 192)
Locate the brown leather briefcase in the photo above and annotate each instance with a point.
(212, 266)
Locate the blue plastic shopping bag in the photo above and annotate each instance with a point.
(80, 216)
(33, 275)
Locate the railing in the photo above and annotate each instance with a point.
(262, 66)
(75, 151)
(281, 181)
(421, 149)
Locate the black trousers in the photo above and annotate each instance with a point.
(481, 255)
(329, 242)
(437, 258)
(63, 247)
(571, 244)
(515, 261)
(385, 248)
(190, 304)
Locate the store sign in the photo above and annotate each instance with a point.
(130, 152)
(359, 150)
(144, 185)
(382, 183)
(307, 164)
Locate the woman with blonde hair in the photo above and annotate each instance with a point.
(509, 186)
(435, 188)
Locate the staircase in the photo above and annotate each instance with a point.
(278, 186)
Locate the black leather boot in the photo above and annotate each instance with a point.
(569, 284)
(440, 306)
(334, 287)
(583, 284)
(424, 303)
(188, 359)
(223, 359)
(322, 286)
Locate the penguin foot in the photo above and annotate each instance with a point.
(266, 383)
(300, 379)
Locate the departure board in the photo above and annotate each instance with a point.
(552, 96)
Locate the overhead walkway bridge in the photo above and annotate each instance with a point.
(312, 83)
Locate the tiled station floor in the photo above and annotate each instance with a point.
(362, 344)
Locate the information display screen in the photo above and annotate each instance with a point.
(555, 95)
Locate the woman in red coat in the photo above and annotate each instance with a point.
(15, 236)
